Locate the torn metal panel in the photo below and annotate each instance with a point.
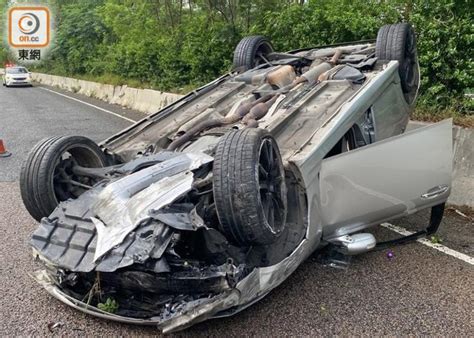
(180, 216)
(184, 314)
(142, 161)
(158, 195)
(175, 318)
(157, 265)
(124, 188)
(136, 210)
(192, 280)
(200, 310)
(68, 239)
(146, 242)
(123, 204)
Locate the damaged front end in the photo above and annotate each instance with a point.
(139, 239)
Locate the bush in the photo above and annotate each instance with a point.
(169, 46)
(445, 41)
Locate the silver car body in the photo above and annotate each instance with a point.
(392, 175)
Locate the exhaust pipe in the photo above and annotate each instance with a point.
(257, 112)
(315, 74)
(240, 112)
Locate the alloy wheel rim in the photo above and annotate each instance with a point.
(271, 186)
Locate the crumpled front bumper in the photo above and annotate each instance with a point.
(256, 285)
(67, 240)
(194, 312)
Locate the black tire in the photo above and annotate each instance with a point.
(42, 185)
(398, 42)
(248, 53)
(251, 207)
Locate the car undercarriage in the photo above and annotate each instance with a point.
(201, 209)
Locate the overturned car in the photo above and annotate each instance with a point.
(202, 208)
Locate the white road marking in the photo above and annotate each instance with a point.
(427, 242)
(89, 104)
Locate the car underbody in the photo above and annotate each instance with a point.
(167, 227)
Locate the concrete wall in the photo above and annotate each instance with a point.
(144, 100)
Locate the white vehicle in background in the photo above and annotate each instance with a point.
(16, 76)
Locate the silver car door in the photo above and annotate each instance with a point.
(389, 113)
(388, 179)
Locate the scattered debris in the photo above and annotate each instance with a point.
(461, 213)
(95, 289)
(466, 213)
(390, 254)
(54, 325)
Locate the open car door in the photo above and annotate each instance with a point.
(388, 179)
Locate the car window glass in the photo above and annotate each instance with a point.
(17, 71)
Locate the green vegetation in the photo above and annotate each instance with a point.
(177, 45)
(436, 239)
(110, 305)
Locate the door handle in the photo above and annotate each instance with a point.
(436, 191)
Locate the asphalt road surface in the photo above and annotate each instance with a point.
(420, 291)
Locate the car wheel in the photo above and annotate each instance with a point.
(47, 176)
(249, 187)
(251, 52)
(398, 42)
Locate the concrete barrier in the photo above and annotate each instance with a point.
(144, 100)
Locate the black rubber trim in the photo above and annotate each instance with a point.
(436, 216)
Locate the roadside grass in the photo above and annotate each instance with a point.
(436, 239)
(423, 113)
(117, 80)
(110, 305)
(110, 79)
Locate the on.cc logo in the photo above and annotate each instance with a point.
(29, 26)
(29, 23)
